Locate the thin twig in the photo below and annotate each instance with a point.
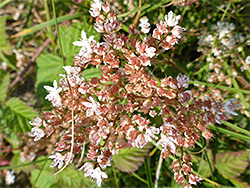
(157, 175)
(137, 16)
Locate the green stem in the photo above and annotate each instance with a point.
(148, 173)
(22, 165)
(235, 127)
(19, 42)
(51, 36)
(57, 30)
(139, 178)
(235, 90)
(115, 176)
(231, 133)
(2, 4)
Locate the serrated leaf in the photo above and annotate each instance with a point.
(203, 166)
(68, 36)
(239, 184)
(45, 180)
(231, 164)
(91, 72)
(72, 34)
(20, 115)
(48, 69)
(4, 83)
(69, 177)
(16, 161)
(69, 174)
(130, 159)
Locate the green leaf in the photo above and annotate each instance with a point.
(130, 159)
(4, 47)
(69, 177)
(20, 115)
(70, 173)
(239, 184)
(48, 69)
(16, 161)
(68, 36)
(203, 165)
(4, 83)
(46, 179)
(231, 164)
(90, 73)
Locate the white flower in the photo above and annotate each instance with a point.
(58, 160)
(167, 141)
(85, 44)
(177, 31)
(53, 95)
(150, 52)
(145, 26)
(38, 122)
(151, 132)
(182, 81)
(37, 133)
(246, 66)
(10, 177)
(172, 20)
(230, 106)
(95, 174)
(93, 107)
(88, 167)
(95, 8)
(72, 70)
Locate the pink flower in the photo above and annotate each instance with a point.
(193, 179)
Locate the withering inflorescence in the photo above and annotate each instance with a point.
(96, 117)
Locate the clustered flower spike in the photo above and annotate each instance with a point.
(112, 109)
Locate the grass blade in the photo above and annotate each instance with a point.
(148, 173)
(235, 90)
(47, 24)
(235, 127)
(231, 133)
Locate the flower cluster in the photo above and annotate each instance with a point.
(222, 44)
(183, 3)
(104, 112)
